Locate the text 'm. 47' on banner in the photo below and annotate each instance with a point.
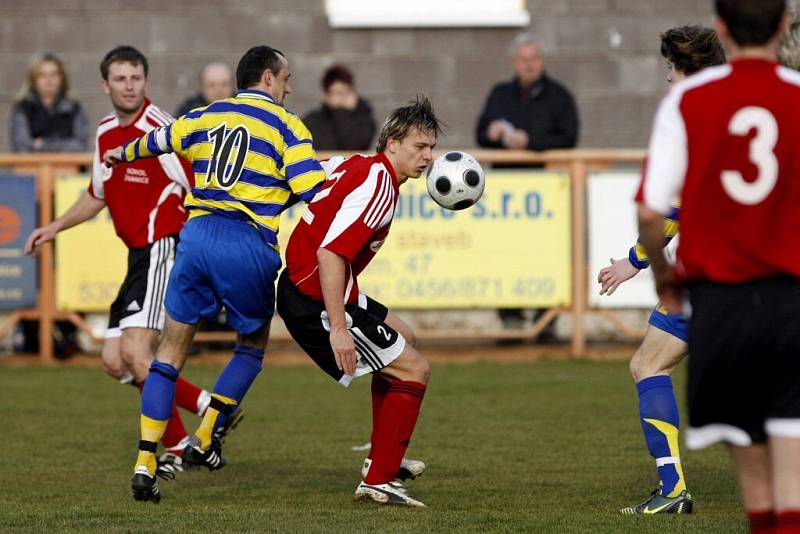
(513, 249)
(17, 221)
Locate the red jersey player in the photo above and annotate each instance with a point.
(725, 142)
(145, 200)
(345, 332)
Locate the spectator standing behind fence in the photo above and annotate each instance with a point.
(344, 121)
(532, 111)
(45, 119)
(216, 83)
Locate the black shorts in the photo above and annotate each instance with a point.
(744, 362)
(140, 301)
(377, 343)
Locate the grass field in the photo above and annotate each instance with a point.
(551, 446)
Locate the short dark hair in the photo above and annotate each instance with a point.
(336, 73)
(123, 54)
(692, 48)
(751, 22)
(254, 62)
(418, 114)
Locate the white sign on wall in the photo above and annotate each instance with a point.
(612, 230)
(427, 13)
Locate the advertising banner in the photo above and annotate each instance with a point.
(90, 259)
(612, 231)
(510, 250)
(17, 220)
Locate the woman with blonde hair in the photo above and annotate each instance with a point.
(45, 119)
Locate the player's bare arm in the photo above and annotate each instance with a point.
(651, 233)
(332, 275)
(84, 209)
(612, 276)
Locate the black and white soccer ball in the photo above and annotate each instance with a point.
(456, 180)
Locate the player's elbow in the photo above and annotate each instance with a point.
(648, 216)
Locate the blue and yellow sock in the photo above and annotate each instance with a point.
(158, 396)
(660, 420)
(231, 387)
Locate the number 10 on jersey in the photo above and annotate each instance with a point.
(227, 160)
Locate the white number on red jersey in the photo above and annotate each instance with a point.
(762, 155)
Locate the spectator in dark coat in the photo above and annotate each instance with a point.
(216, 83)
(345, 121)
(44, 118)
(533, 110)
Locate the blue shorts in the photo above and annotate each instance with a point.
(677, 325)
(223, 262)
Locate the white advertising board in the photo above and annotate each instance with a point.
(612, 230)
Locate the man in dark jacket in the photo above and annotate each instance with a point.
(531, 111)
(345, 121)
(216, 83)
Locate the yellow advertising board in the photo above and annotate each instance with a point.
(91, 260)
(511, 250)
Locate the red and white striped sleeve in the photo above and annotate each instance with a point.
(368, 207)
(101, 173)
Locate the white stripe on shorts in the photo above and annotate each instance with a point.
(702, 437)
(783, 428)
(151, 315)
(372, 357)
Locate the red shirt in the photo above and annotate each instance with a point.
(350, 216)
(726, 142)
(145, 198)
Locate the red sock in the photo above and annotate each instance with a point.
(788, 522)
(175, 430)
(380, 387)
(187, 395)
(763, 522)
(398, 417)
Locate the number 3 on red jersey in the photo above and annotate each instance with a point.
(762, 155)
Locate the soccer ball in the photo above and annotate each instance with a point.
(456, 180)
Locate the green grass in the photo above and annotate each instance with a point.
(551, 446)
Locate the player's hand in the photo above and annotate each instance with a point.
(344, 349)
(39, 236)
(113, 157)
(615, 274)
(670, 291)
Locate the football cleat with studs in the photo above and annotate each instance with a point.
(659, 504)
(393, 493)
(409, 469)
(145, 486)
(211, 459)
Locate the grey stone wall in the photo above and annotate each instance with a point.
(606, 51)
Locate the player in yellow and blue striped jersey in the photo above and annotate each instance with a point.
(687, 49)
(250, 156)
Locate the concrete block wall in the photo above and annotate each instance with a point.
(606, 51)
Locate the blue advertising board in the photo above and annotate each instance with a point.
(17, 220)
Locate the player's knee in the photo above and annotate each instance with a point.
(113, 366)
(420, 370)
(642, 366)
(410, 337)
